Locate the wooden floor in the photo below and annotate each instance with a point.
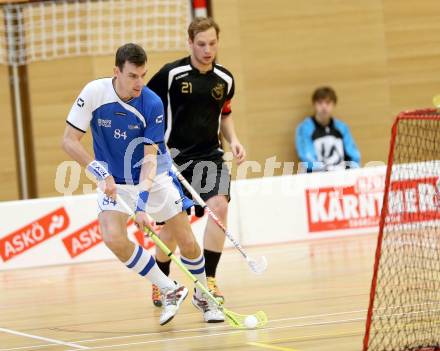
(315, 294)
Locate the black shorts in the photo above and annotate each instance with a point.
(208, 178)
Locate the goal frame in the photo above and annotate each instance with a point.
(418, 114)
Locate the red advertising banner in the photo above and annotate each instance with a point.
(83, 239)
(33, 234)
(414, 200)
(359, 205)
(89, 236)
(345, 207)
(342, 208)
(56, 222)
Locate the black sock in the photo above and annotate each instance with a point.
(211, 262)
(164, 266)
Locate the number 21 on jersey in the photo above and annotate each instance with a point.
(187, 87)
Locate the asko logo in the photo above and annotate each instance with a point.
(33, 234)
(359, 205)
(89, 236)
(83, 239)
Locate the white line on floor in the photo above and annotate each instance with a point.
(203, 329)
(269, 346)
(195, 329)
(52, 341)
(220, 334)
(163, 340)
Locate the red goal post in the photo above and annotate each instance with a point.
(404, 307)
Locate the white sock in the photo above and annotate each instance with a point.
(144, 264)
(197, 267)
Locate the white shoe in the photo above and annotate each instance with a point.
(171, 301)
(212, 313)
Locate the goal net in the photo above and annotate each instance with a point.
(404, 311)
(45, 30)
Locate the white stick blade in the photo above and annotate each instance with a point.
(258, 266)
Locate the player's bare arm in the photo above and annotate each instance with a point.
(228, 130)
(71, 144)
(148, 172)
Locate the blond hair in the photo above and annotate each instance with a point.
(201, 24)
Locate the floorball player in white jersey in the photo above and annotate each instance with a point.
(131, 160)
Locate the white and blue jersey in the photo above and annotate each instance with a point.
(326, 147)
(121, 129)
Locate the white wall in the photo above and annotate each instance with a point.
(64, 230)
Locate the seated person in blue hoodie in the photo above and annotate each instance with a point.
(323, 142)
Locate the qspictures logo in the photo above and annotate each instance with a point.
(33, 234)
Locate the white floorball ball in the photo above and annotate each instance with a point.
(250, 322)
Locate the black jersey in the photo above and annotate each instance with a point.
(329, 145)
(194, 104)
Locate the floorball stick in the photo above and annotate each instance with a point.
(236, 320)
(257, 266)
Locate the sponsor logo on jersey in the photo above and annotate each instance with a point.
(159, 119)
(218, 91)
(107, 123)
(182, 75)
(179, 201)
(133, 126)
(80, 102)
(329, 150)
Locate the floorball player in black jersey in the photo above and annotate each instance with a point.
(196, 93)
